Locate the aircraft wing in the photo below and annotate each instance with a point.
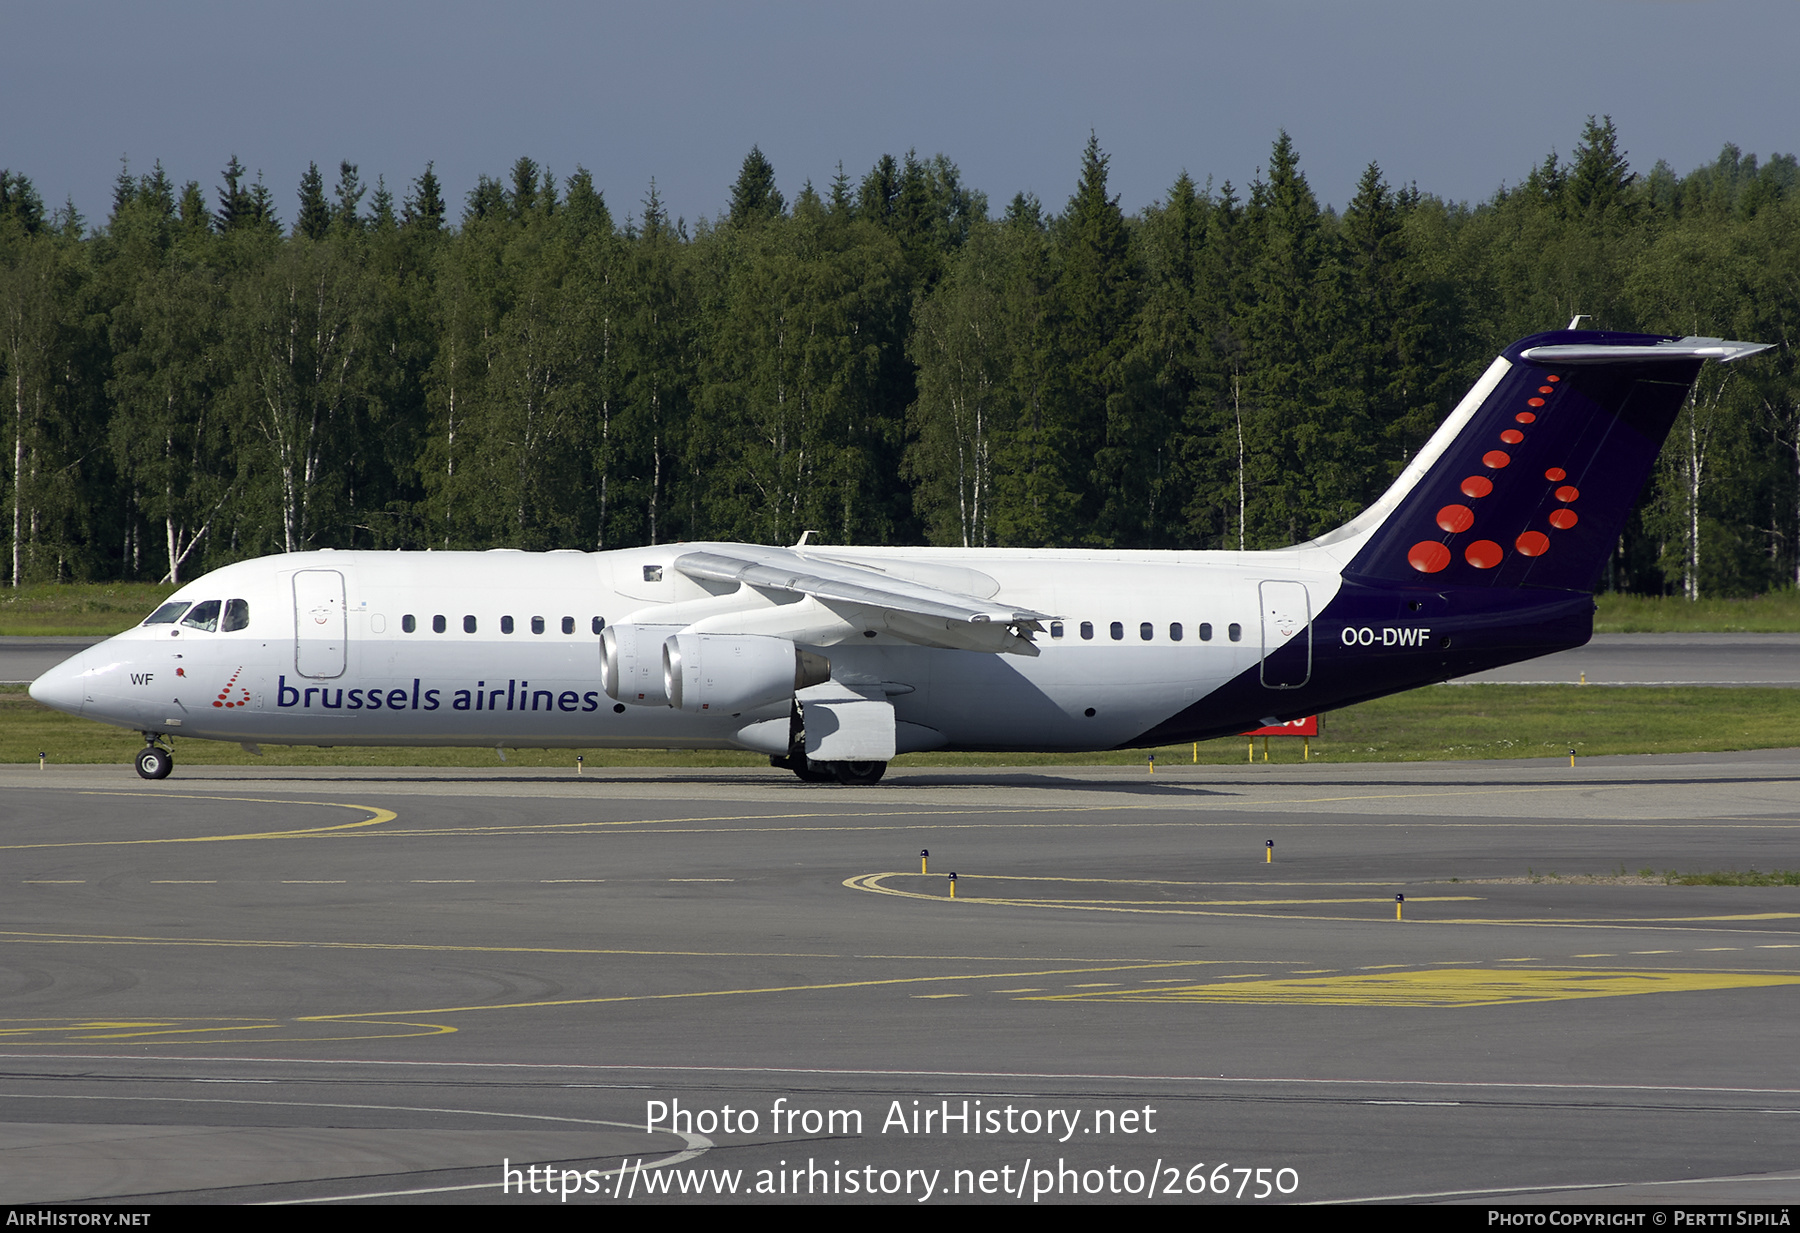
(912, 611)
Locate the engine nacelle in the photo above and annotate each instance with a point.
(631, 668)
(729, 673)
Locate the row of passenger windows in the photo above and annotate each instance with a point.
(209, 616)
(439, 624)
(1147, 631)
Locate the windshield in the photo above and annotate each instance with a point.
(204, 616)
(168, 614)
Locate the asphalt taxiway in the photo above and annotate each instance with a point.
(270, 985)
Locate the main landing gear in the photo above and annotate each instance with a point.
(154, 761)
(851, 774)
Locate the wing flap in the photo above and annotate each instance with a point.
(909, 610)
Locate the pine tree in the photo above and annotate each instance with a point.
(754, 197)
(237, 209)
(349, 193)
(424, 206)
(1305, 486)
(314, 221)
(381, 207)
(1097, 292)
(486, 200)
(1599, 176)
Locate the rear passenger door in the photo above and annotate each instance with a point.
(1286, 634)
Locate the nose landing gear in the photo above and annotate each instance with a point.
(154, 761)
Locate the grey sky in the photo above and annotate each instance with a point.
(1454, 96)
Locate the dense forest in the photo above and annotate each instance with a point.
(883, 360)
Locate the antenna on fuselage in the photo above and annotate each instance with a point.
(1577, 319)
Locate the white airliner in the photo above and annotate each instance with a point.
(833, 660)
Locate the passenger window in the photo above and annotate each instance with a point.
(1235, 631)
(1056, 630)
(599, 624)
(537, 625)
(1206, 631)
(168, 614)
(437, 625)
(1087, 631)
(568, 625)
(1118, 631)
(468, 625)
(1175, 631)
(1146, 631)
(237, 615)
(408, 623)
(203, 616)
(506, 625)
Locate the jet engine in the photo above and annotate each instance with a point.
(631, 669)
(706, 673)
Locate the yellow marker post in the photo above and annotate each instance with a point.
(953, 886)
(923, 854)
(1398, 900)
(1571, 759)
(578, 764)
(1269, 844)
(1196, 753)
(1265, 749)
(1153, 764)
(1250, 750)
(41, 757)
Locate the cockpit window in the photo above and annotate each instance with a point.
(204, 616)
(237, 615)
(168, 614)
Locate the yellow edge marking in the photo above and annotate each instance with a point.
(89, 939)
(68, 1033)
(1020, 877)
(1459, 987)
(717, 993)
(377, 816)
(874, 818)
(872, 882)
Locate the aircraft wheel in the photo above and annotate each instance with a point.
(810, 771)
(859, 774)
(154, 762)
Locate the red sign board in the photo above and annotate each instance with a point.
(1293, 727)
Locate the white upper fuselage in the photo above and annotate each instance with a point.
(419, 654)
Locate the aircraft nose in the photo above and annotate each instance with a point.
(64, 686)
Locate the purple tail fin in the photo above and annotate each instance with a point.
(1535, 482)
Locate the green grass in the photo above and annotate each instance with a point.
(1776, 613)
(1669, 877)
(102, 608)
(1750, 877)
(110, 607)
(1441, 722)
